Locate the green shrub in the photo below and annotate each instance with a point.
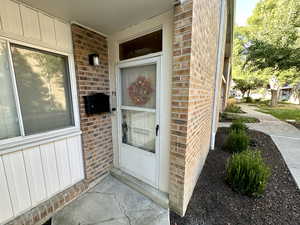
(238, 125)
(257, 100)
(230, 117)
(236, 142)
(233, 108)
(249, 100)
(246, 173)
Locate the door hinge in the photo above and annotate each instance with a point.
(156, 129)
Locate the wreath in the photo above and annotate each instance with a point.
(140, 91)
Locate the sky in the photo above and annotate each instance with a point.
(244, 10)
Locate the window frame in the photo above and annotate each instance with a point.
(10, 144)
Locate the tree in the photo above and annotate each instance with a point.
(271, 45)
(297, 91)
(245, 79)
(241, 85)
(246, 86)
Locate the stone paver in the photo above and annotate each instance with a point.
(112, 203)
(285, 136)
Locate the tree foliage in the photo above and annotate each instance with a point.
(274, 35)
(247, 85)
(269, 46)
(245, 78)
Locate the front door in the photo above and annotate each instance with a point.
(138, 116)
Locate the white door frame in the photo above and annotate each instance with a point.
(164, 22)
(140, 61)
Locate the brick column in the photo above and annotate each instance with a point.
(196, 30)
(97, 129)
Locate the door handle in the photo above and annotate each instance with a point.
(156, 129)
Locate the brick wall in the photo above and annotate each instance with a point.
(196, 29)
(97, 129)
(96, 137)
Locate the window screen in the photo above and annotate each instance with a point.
(44, 89)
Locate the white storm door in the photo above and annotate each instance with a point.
(138, 116)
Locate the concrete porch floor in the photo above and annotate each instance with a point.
(112, 203)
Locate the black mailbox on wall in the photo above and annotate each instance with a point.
(96, 104)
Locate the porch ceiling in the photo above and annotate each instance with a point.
(106, 16)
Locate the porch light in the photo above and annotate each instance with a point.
(94, 60)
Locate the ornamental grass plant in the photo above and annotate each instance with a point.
(238, 126)
(237, 141)
(247, 173)
(233, 108)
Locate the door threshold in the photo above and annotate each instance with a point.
(155, 195)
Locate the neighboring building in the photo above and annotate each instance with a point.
(287, 94)
(166, 69)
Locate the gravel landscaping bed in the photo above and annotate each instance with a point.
(296, 124)
(214, 203)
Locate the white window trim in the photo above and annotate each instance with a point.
(13, 144)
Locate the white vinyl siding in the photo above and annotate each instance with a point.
(5, 203)
(64, 173)
(75, 158)
(17, 181)
(34, 169)
(30, 22)
(38, 166)
(47, 29)
(50, 168)
(32, 175)
(10, 17)
(62, 32)
(20, 22)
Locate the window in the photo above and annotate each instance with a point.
(147, 44)
(9, 125)
(44, 92)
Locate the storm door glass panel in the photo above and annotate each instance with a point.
(9, 125)
(139, 86)
(44, 89)
(138, 129)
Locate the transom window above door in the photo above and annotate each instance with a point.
(35, 91)
(144, 45)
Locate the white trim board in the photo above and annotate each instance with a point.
(218, 75)
(88, 28)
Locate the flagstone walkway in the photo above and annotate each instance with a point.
(112, 203)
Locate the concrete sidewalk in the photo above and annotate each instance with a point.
(112, 203)
(285, 136)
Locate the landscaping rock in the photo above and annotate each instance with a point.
(215, 203)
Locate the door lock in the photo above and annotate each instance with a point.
(156, 129)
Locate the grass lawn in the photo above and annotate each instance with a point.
(283, 111)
